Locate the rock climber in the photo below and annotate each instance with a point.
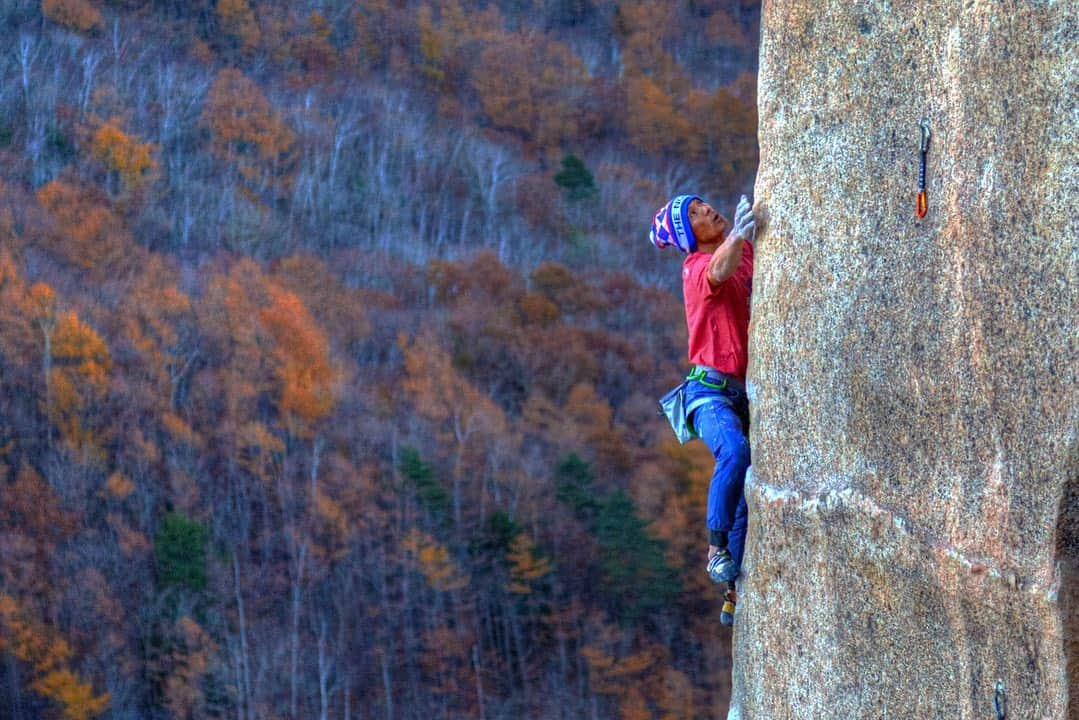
(717, 276)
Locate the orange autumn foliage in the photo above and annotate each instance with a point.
(525, 87)
(79, 15)
(304, 372)
(313, 50)
(433, 560)
(33, 641)
(79, 379)
(526, 565)
(124, 155)
(88, 234)
(238, 20)
(653, 121)
(248, 133)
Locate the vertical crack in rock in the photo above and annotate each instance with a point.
(913, 504)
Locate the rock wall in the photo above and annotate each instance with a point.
(914, 532)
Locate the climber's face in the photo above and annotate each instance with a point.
(708, 225)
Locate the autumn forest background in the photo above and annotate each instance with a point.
(330, 343)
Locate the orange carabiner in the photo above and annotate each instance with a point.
(922, 205)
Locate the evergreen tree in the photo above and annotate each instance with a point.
(575, 179)
(422, 478)
(180, 552)
(637, 580)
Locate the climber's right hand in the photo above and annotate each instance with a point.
(744, 222)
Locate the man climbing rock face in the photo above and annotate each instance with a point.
(717, 276)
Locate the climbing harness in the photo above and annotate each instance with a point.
(922, 205)
(1000, 701)
(701, 375)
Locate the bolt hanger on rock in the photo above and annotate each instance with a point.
(1000, 701)
(922, 205)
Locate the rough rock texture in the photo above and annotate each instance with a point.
(914, 532)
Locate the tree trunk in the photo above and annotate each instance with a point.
(245, 664)
(323, 674)
(14, 692)
(479, 678)
(294, 651)
(387, 687)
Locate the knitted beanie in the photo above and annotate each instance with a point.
(671, 225)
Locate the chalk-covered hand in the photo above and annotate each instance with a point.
(744, 222)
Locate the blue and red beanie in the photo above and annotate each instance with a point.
(671, 225)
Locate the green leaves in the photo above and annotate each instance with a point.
(429, 491)
(634, 576)
(180, 552)
(575, 179)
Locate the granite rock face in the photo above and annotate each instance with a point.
(914, 537)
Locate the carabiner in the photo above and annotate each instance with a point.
(921, 206)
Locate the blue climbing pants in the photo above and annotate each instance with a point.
(721, 424)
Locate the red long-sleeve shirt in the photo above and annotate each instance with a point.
(718, 318)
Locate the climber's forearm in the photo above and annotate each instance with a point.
(725, 260)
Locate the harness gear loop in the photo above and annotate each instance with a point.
(922, 205)
(700, 375)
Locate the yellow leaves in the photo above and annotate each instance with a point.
(77, 15)
(522, 84)
(41, 646)
(158, 322)
(441, 394)
(536, 309)
(87, 232)
(313, 50)
(434, 562)
(633, 706)
(271, 350)
(42, 303)
(258, 439)
(179, 430)
(261, 450)
(78, 379)
(123, 154)
(119, 486)
(648, 687)
(32, 505)
(75, 696)
(307, 379)
(525, 565)
(186, 666)
(611, 676)
(654, 122)
(247, 132)
(238, 19)
(432, 48)
(585, 407)
(131, 542)
(76, 346)
(173, 301)
(331, 525)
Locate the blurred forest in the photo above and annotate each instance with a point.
(330, 343)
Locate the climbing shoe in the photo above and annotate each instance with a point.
(726, 615)
(721, 567)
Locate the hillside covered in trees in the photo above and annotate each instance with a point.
(330, 339)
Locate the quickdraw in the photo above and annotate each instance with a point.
(922, 205)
